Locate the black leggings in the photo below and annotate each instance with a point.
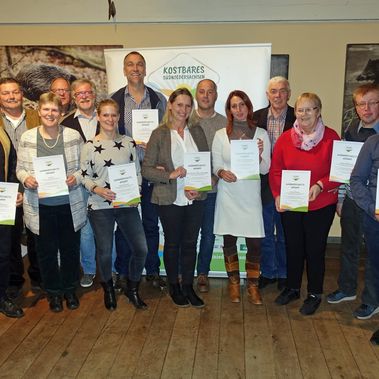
(253, 247)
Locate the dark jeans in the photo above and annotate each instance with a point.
(16, 269)
(130, 225)
(5, 251)
(207, 238)
(181, 227)
(306, 237)
(151, 230)
(57, 234)
(273, 257)
(371, 231)
(351, 246)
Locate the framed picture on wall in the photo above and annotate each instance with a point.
(362, 66)
(279, 65)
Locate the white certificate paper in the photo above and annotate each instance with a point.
(123, 181)
(8, 196)
(377, 196)
(344, 156)
(50, 174)
(244, 156)
(294, 192)
(144, 121)
(198, 166)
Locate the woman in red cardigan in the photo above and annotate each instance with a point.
(306, 146)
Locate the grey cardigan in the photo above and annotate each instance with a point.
(158, 153)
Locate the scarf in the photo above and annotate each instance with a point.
(307, 141)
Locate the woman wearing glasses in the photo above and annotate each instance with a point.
(306, 146)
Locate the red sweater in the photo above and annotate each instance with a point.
(288, 157)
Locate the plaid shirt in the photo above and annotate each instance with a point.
(275, 126)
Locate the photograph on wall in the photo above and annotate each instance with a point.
(36, 66)
(362, 67)
(279, 65)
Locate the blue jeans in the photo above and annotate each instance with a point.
(371, 232)
(207, 239)
(351, 245)
(130, 225)
(151, 229)
(88, 250)
(273, 249)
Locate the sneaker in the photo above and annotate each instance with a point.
(156, 281)
(10, 309)
(264, 282)
(338, 296)
(365, 311)
(119, 282)
(287, 296)
(87, 280)
(310, 305)
(202, 283)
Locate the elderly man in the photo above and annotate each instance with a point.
(135, 95)
(15, 119)
(366, 102)
(61, 87)
(276, 118)
(210, 121)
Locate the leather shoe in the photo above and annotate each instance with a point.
(177, 296)
(72, 301)
(288, 295)
(311, 303)
(191, 296)
(264, 282)
(56, 304)
(10, 309)
(202, 283)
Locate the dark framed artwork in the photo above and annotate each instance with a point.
(362, 66)
(279, 65)
(36, 66)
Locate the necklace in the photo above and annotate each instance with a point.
(55, 143)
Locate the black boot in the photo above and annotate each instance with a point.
(133, 295)
(191, 296)
(177, 295)
(110, 301)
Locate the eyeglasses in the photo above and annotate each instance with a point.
(60, 90)
(368, 104)
(83, 93)
(282, 91)
(305, 110)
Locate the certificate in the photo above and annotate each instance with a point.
(344, 156)
(244, 156)
(8, 196)
(198, 166)
(377, 195)
(294, 192)
(144, 121)
(123, 181)
(50, 174)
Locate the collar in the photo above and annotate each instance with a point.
(205, 118)
(127, 94)
(78, 114)
(282, 115)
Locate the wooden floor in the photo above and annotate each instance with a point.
(223, 340)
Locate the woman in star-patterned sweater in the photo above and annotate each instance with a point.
(109, 148)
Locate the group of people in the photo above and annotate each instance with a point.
(65, 231)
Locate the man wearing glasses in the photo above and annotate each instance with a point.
(15, 119)
(366, 102)
(276, 118)
(61, 87)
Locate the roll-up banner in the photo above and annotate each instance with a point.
(245, 67)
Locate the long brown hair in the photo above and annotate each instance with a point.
(242, 95)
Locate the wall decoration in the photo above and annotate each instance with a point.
(279, 65)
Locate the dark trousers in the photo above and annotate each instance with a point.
(181, 227)
(16, 270)
(130, 225)
(351, 246)
(57, 234)
(5, 250)
(253, 245)
(306, 237)
(150, 226)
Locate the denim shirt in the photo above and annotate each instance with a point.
(363, 180)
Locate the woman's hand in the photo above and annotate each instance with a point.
(339, 209)
(192, 194)
(179, 172)
(277, 205)
(71, 181)
(19, 199)
(226, 175)
(31, 182)
(314, 191)
(105, 193)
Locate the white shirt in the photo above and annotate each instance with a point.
(88, 125)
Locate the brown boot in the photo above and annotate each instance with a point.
(253, 294)
(232, 269)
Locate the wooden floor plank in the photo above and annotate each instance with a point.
(207, 350)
